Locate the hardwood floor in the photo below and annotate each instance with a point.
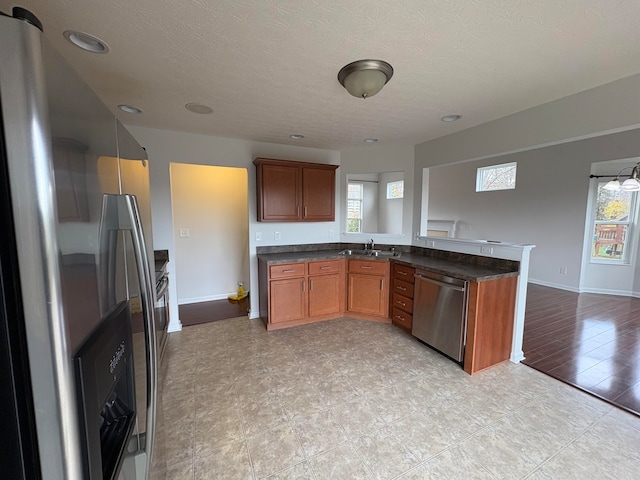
(203, 312)
(587, 340)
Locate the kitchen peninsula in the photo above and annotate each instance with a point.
(301, 284)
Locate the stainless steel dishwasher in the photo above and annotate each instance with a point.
(440, 312)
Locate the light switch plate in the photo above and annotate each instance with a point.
(276, 236)
(258, 236)
(486, 250)
(185, 233)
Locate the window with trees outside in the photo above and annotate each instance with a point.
(355, 193)
(395, 189)
(496, 177)
(614, 215)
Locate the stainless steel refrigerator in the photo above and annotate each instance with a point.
(79, 391)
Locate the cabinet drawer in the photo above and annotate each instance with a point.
(403, 272)
(402, 319)
(287, 270)
(364, 266)
(403, 288)
(326, 266)
(402, 303)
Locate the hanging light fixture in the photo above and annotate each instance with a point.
(365, 78)
(631, 184)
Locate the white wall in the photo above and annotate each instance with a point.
(165, 147)
(547, 208)
(212, 202)
(377, 159)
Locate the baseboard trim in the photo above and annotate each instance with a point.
(554, 285)
(600, 291)
(208, 298)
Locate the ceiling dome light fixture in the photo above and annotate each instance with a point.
(296, 136)
(199, 108)
(451, 118)
(129, 109)
(87, 42)
(365, 78)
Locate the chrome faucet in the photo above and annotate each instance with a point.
(370, 245)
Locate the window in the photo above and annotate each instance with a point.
(614, 214)
(496, 177)
(354, 207)
(395, 189)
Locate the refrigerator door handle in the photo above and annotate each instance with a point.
(129, 216)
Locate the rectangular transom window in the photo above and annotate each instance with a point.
(496, 177)
(395, 189)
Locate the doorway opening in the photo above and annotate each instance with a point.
(210, 208)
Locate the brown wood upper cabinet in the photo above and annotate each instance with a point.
(295, 191)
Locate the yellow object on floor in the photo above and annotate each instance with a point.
(240, 293)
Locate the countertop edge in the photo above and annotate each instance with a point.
(485, 273)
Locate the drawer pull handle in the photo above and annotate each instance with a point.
(400, 318)
(402, 273)
(326, 267)
(288, 271)
(365, 266)
(404, 289)
(401, 303)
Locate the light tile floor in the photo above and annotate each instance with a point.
(349, 399)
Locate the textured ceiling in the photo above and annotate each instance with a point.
(268, 67)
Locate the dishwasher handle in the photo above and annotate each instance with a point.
(438, 282)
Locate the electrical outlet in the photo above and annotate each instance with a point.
(185, 233)
(431, 243)
(563, 270)
(330, 233)
(486, 250)
(276, 235)
(258, 236)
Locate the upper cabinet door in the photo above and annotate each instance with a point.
(280, 193)
(318, 194)
(294, 191)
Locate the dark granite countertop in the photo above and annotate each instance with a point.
(463, 270)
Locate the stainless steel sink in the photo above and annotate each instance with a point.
(371, 253)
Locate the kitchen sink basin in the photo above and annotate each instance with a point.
(371, 253)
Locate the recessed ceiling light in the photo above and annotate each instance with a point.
(198, 108)
(451, 118)
(296, 136)
(86, 41)
(130, 109)
(370, 140)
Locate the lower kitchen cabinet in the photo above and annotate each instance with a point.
(324, 294)
(489, 323)
(287, 300)
(402, 299)
(368, 288)
(303, 292)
